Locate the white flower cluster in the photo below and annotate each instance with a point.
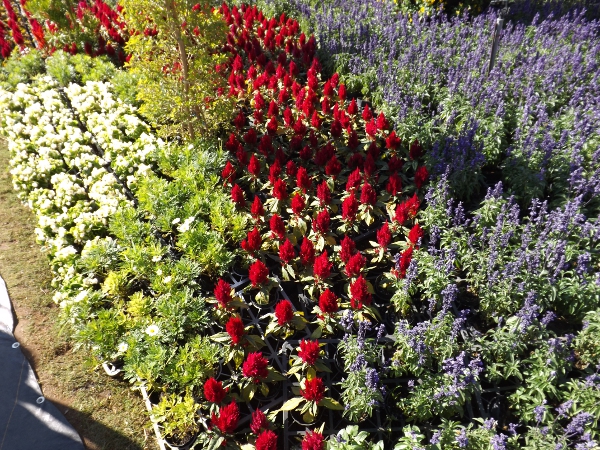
(59, 173)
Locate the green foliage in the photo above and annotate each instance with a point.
(20, 68)
(350, 438)
(177, 416)
(587, 343)
(178, 82)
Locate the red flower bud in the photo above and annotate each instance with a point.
(322, 266)
(322, 222)
(235, 329)
(342, 92)
(359, 293)
(384, 236)
(213, 391)
(371, 128)
(350, 208)
(303, 181)
(253, 241)
(228, 418)
(267, 440)
(348, 249)
(313, 440)
(404, 262)
(254, 166)
(228, 173)
(287, 252)
(256, 367)
(284, 312)
(314, 390)
(315, 122)
(272, 126)
(333, 167)
(336, 128)
(355, 265)
(257, 209)
(421, 176)
(354, 180)
(307, 252)
(415, 233)
(367, 114)
(250, 137)
(392, 141)
(323, 193)
(382, 122)
(352, 107)
(258, 273)
(280, 190)
(309, 351)
(298, 204)
(306, 153)
(415, 151)
(237, 195)
(259, 422)
(277, 226)
(394, 185)
(328, 303)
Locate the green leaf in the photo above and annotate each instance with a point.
(317, 333)
(291, 404)
(330, 403)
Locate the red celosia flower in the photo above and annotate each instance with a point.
(288, 117)
(241, 155)
(299, 127)
(395, 164)
(322, 222)
(421, 175)
(253, 241)
(328, 302)
(382, 122)
(228, 418)
(392, 141)
(415, 151)
(342, 92)
(256, 367)
(274, 171)
(284, 312)
(354, 180)
(394, 185)
(384, 236)
(373, 151)
(327, 88)
(298, 204)
(322, 266)
(277, 226)
(254, 166)
(223, 292)
(257, 209)
(355, 265)
(404, 262)
(352, 107)
(371, 128)
(314, 390)
(368, 196)
(359, 293)
(345, 120)
(250, 137)
(235, 329)
(415, 233)
(291, 169)
(272, 126)
(325, 106)
(259, 422)
(306, 153)
(348, 249)
(335, 78)
(336, 128)
(307, 252)
(228, 173)
(267, 440)
(315, 122)
(333, 167)
(232, 143)
(401, 214)
(213, 391)
(287, 252)
(258, 273)
(323, 193)
(356, 161)
(303, 181)
(350, 207)
(412, 205)
(369, 167)
(273, 109)
(280, 190)
(309, 351)
(237, 195)
(265, 146)
(313, 440)
(367, 114)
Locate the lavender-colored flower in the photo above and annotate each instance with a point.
(577, 425)
(462, 439)
(347, 321)
(499, 442)
(539, 412)
(564, 408)
(512, 428)
(372, 379)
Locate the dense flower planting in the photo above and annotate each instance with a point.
(305, 279)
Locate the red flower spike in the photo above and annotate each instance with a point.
(228, 173)
(283, 95)
(257, 210)
(259, 101)
(250, 137)
(277, 226)
(367, 114)
(237, 195)
(327, 88)
(306, 153)
(273, 109)
(415, 151)
(288, 117)
(350, 208)
(412, 205)
(256, 367)
(253, 241)
(333, 167)
(342, 92)
(384, 236)
(336, 128)
(353, 140)
(369, 167)
(315, 122)
(395, 164)
(228, 418)
(335, 78)
(323, 194)
(421, 176)
(368, 196)
(314, 390)
(344, 120)
(325, 107)
(328, 302)
(259, 422)
(415, 234)
(274, 172)
(359, 293)
(265, 145)
(352, 107)
(392, 141)
(284, 312)
(348, 249)
(382, 122)
(371, 128)
(394, 185)
(258, 273)
(373, 151)
(354, 180)
(404, 262)
(298, 204)
(213, 391)
(401, 214)
(313, 440)
(303, 181)
(307, 252)
(280, 190)
(322, 266)
(293, 69)
(232, 143)
(235, 329)
(267, 440)
(223, 292)
(254, 166)
(291, 169)
(309, 351)
(355, 265)
(240, 120)
(287, 252)
(299, 127)
(272, 126)
(322, 222)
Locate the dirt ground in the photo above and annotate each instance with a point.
(106, 412)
